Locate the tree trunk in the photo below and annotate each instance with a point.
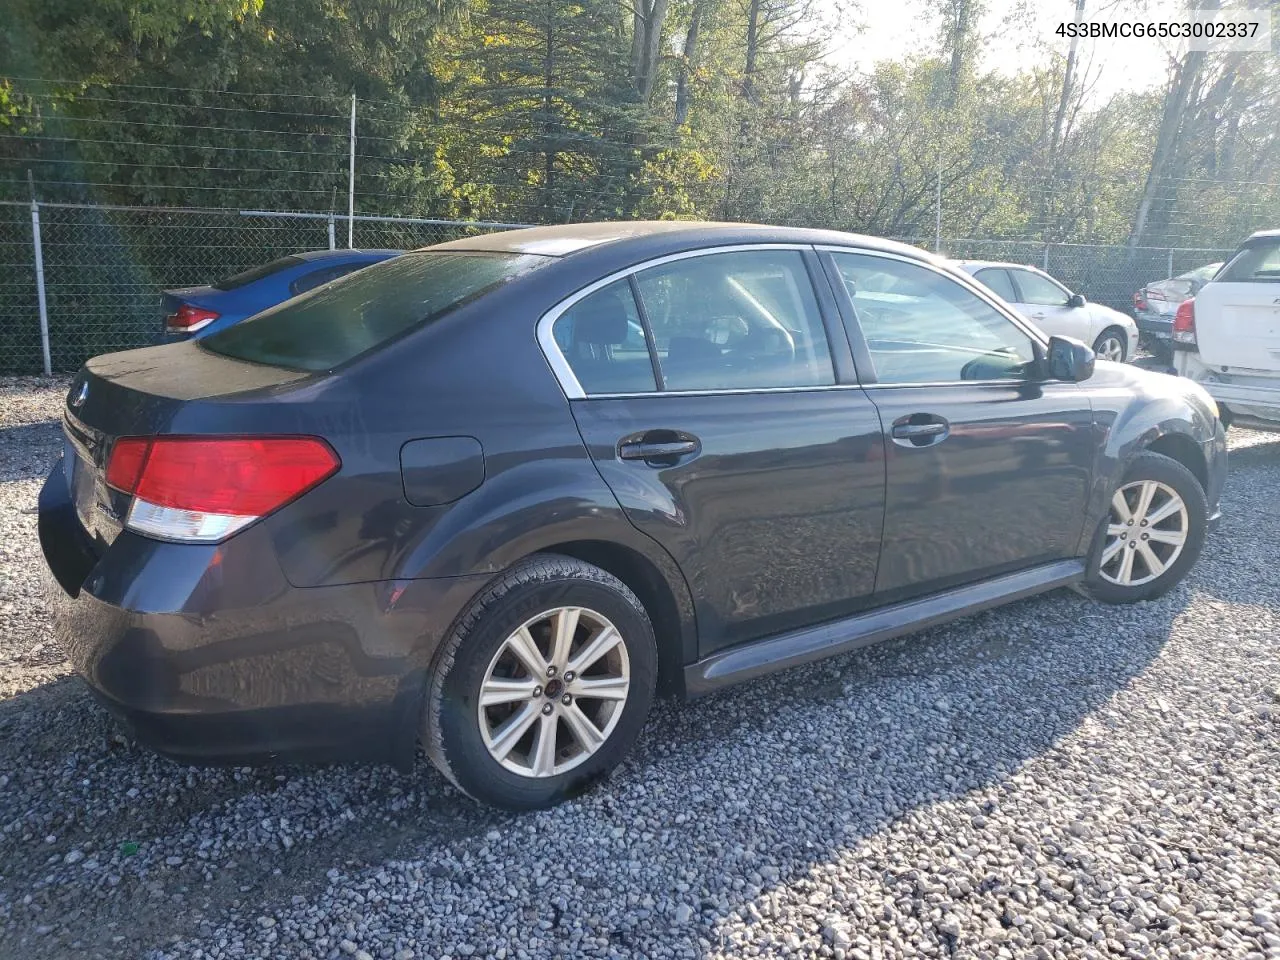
(964, 14)
(688, 64)
(1068, 85)
(1176, 101)
(548, 77)
(646, 44)
(753, 52)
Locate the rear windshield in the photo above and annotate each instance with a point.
(330, 325)
(1258, 261)
(246, 277)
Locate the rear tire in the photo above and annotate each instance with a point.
(562, 655)
(1152, 534)
(1112, 344)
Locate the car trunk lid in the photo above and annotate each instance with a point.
(140, 393)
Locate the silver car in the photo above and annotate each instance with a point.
(1156, 304)
(1055, 309)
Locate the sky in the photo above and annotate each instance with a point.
(893, 29)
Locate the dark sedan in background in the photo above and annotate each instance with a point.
(199, 311)
(490, 495)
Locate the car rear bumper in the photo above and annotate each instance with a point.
(1249, 401)
(205, 665)
(1155, 326)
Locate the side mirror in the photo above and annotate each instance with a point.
(1069, 360)
(1075, 301)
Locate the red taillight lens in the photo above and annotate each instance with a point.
(206, 488)
(125, 466)
(1184, 323)
(189, 319)
(1140, 300)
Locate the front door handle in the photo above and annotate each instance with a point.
(658, 448)
(919, 430)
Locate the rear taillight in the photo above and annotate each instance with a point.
(204, 489)
(1139, 300)
(1184, 324)
(189, 319)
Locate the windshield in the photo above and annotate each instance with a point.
(1256, 262)
(338, 322)
(246, 277)
(1203, 274)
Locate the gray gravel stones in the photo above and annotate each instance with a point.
(1053, 779)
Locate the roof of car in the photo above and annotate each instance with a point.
(1263, 235)
(566, 239)
(344, 253)
(978, 264)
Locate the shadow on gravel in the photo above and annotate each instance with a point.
(28, 450)
(786, 772)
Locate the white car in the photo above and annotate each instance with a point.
(1055, 309)
(1227, 338)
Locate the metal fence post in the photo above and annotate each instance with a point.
(1045, 268)
(1170, 273)
(44, 309)
(351, 180)
(332, 244)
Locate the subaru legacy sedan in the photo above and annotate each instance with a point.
(490, 496)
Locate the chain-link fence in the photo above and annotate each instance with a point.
(104, 267)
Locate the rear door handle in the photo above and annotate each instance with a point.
(919, 430)
(660, 450)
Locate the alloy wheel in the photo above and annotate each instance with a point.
(554, 691)
(1110, 348)
(1146, 531)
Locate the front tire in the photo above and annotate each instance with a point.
(1153, 532)
(1112, 344)
(543, 686)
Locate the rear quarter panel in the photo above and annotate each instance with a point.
(477, 373)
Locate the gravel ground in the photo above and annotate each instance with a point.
(1053, 779)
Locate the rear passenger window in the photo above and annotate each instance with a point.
(743, 320)
(998, 282)
(309, 281)
(603, 341)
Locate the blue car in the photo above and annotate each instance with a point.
(195, 312)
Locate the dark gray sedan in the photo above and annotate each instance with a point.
(491, 495)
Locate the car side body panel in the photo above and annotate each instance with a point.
(313, 630)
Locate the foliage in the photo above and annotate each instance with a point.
(550, 110)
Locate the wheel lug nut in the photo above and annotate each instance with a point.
(568, 676)
(537, 691)
(1133, 544)
(1146, 536)
(551, 670)
(1144, 523)
(546, 711)
(566, 699)
(1124, 536)
(1129, 522)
